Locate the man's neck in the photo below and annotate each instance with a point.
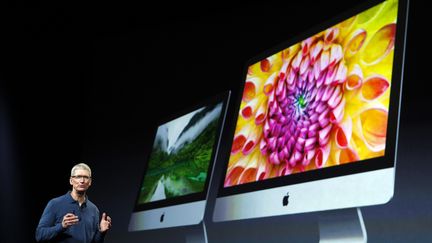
(79, 197)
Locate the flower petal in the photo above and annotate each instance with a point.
(324, 134)
(380, 45)
(343, 133)
(316, 50)
(335, 97)
(341, 73)
(374, 128)
(250, 170)
(252, 139)
(274, 158)
(295, 64)
(348, 155)
(322, 155)
(331, 34)
(262, 172)
(355, 42)
(328, 92)
(240, 138)
(306, 44)
(269, 84)
(355, 77)
(233, 175)
(324, 60)
(250, 108)
(304, 65)
(248, 175)
(331, 74)
(373, 87)
(251, 87)
(335, 54)
(346, 27)
(265, 65)
(337, 113)
(261, 114)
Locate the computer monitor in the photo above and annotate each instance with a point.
(317, 121)
(177, 174)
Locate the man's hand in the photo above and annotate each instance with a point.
(69, 219)
(105, 223)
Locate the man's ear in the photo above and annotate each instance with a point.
(70, 181)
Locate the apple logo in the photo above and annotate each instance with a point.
(285, 200)
(162, 217)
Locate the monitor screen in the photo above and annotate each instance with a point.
(177, 174)
(317, 119)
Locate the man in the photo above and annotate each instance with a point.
(73, 217)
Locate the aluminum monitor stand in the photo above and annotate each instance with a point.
(197, 234)
(344, 225)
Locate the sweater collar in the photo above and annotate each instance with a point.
(70, 199)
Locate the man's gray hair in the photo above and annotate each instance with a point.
(80, 166)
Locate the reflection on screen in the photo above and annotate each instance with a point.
(318, 103)
(181, 154)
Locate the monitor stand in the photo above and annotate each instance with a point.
(344, 225)
(197, 234)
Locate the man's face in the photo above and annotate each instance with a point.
(80, 181)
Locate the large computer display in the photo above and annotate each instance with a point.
(317, 120)
(175, 183)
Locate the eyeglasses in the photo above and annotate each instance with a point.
(79, 177)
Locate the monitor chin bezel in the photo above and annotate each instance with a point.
(309, 197)
(185, 214)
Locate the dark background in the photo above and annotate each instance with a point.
(85, 83)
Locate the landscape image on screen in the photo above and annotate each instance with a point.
(181, 154)
(318, 103)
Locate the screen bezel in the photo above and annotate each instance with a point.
(386, 161)
(193, 197)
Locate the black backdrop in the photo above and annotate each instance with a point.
(83, 83)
